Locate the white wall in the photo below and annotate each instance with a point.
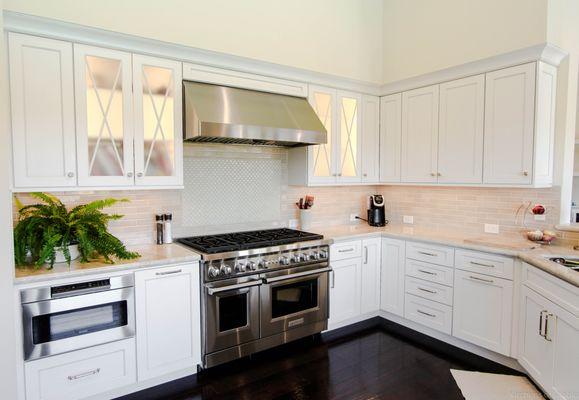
(340, 37)
(7, 332)
(422, 36)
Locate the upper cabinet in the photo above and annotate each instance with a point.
(321, 158)
(349, 143)
(86, 116)
(420, 135)
(42, 104)
(390, 137)
(370, 139)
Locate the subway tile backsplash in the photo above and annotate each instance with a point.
(232, 188)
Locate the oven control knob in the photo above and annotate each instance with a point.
(252, 266)
(283, 260)
(314, 255)
(213, 272)
(323, 254)
(240, 267)
(303, 257)
(296, 258)
(225, 269)
(261, 264)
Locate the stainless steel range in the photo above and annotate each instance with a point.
(260, 289)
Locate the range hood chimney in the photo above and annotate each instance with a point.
(221, 114)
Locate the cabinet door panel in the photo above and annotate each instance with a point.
(509, 122)
(158, 121)
(321, 158)
(460, 134)
(370, 275)
(563, 330)
(392, 276)
(42, 105)
(344, 290)
(349, 146)
(168, 320)
(104, 119)
(370, 139)
(420, 135)
(390, 137)
(483, 308)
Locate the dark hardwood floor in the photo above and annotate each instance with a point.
(373, 361)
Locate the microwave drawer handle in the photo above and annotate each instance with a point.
(212, 290)
(296, 275)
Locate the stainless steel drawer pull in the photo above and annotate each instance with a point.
(427, 254)
(333, 279)
(296, 275)
(213, 290)
(427, 272)
(546, 336)
(425, 313)
(84, 374)
(176, 271)
(427, 290)
(541, 322)
(481, 279)
(482, 264)
(365, 254)
(346, 250)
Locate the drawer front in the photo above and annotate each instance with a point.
(484, 263)
(83, 373)
(431, 253)
(429, 313)
(428, 290)
(345, 250)
(430, 272)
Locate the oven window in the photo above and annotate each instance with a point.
(294, 297)
(232, 312)
(80, 321)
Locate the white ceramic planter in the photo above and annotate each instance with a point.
(74, 254)
(305, 219)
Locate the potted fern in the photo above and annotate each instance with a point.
(47, 232)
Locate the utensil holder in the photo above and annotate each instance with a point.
(305, 219)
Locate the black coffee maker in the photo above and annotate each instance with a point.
(376, 212)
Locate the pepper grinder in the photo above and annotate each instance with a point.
(160, 228)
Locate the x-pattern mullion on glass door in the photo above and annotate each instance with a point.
(324, 146)
(349, 131)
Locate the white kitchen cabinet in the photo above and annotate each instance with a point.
(392, 276)
(565, 341)
(509, 120)
(370, 138)
(370, 276)
(167, 319)
(158, 121)
(104, 118)
(345, 285)
(419, 146)
(83, 373)
(460, 130)
(321, 159)
(483, 310)
(349, 143)
(42, 106)
(390, 137)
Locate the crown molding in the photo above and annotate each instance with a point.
(544, 52)
(55, 29)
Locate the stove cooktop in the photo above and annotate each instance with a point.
(247, 240)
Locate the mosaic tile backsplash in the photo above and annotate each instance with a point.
(232, 188)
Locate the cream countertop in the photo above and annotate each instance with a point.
(151, 256)
(508, 245)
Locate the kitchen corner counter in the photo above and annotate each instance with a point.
(151, 256)
(508, 245)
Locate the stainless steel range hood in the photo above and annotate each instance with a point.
(221, 114)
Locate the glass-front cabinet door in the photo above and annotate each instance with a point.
(350, 146)
(322, 160)
(158, 121)
(103, 116)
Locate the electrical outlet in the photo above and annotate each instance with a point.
(491, 228)
(408, 219)
(353, 217)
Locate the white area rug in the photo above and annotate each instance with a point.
(482, 386)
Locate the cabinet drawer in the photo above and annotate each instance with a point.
(430, 272)
(83, 373)
(429, 290)
(429, 313)
(431, 253)
(345, 250)
(484, 263)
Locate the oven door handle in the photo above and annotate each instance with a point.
(212, 290)
(296, 275)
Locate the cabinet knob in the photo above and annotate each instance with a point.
(432, 174)
(70, 174)
(129, 174)
(365, 174)
(139, 174)
(438, 174)
(339, 174)
(526, 173)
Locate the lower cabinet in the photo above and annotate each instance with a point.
(345, 290)
(549, 345)
(392, 276)
(167, 319)
(83, 373)
(483, 310)
(370, 279)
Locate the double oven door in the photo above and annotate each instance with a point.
(242, 310)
